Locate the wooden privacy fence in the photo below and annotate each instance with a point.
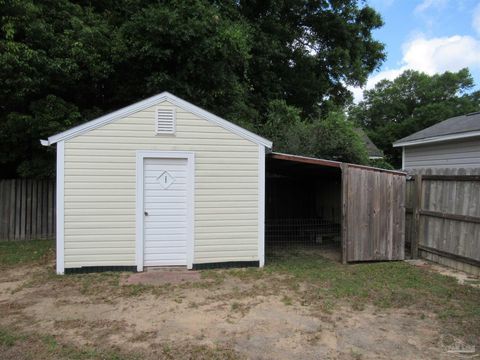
(27, 209)
(443, 215)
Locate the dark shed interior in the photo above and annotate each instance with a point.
(303, 206)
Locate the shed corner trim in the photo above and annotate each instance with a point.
(261, 205)
(60, 204)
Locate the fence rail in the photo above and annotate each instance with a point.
(27, 209)
(443, 215)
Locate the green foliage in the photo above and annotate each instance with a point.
(412, 102)
(332, 137)
(65, 62)
(305, 52)
(381, 163)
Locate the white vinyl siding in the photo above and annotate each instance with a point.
(452, 154)
(100, 194)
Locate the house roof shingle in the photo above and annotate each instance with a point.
(372, 149)
(455, 125)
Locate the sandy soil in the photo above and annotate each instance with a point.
(251, 317)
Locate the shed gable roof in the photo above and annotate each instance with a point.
(151, 101)
(453, 128)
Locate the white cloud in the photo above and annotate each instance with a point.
(434, 55)
(437, 55)
(476, 19)
(430, 4)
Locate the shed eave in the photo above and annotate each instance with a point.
(328, 163)
(304, 159)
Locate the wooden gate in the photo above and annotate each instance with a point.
(373, 213)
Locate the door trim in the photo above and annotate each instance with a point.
(139, 241)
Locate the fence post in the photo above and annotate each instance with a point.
(416, 213)
(344, 211)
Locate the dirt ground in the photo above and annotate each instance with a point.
(239, 317)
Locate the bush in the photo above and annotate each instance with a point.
(332, 137)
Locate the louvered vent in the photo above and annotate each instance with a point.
(165, 122)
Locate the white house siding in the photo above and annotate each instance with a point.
(100, 189)
(462, 154)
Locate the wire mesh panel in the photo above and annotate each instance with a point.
(286, 237)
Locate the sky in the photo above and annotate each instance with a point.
(432, 36)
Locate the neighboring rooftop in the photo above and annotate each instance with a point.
(459, 125)
(373, 151)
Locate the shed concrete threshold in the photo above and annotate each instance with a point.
(163, 276)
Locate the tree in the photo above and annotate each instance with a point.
(55, 59)
(307, 52)
(63, 62)
(332, 137)
(413, 101)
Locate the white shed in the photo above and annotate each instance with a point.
(161, 182)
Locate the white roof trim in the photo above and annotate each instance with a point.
(438, 139)
(164, 96)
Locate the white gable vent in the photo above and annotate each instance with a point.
(165, 121)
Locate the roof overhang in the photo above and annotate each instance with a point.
(328, 163)
(435, 139)
(305, 160)
(151, 101)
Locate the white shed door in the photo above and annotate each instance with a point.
(165, 213)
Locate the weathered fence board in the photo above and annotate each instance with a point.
(27, 209)
(447, 210)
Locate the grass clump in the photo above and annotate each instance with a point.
(42, 347)
(13, 253)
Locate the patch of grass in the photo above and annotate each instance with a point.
(103, 286)
(26, 346)
(8, 338)
(214, 276)
(14, 253)
(385, 285)
(42, 347)
(235, 306)
(50, 342)
(287, 300)
(198, 352)
(355, 354)
(472, 281)
(246, 274)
